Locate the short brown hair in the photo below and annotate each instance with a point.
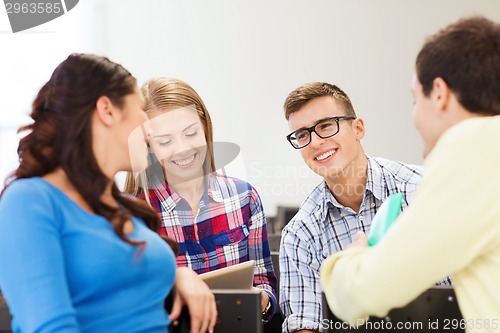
(309, 91)
(466, 55)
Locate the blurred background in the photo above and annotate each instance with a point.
(243, 58)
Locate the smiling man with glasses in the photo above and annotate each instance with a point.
(327, 133)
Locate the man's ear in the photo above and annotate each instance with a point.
(105, 110)
(440, 94)
(358, 125)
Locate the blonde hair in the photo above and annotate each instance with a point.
(162, 94)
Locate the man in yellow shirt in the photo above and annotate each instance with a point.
(455, 209)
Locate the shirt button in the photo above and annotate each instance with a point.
(203, 260)
(231, 240)
(361, 218)
(199, 232)
(373, 204)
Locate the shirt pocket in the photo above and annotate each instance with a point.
(231, 236)
(232, 244)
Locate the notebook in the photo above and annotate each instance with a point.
(239, 276)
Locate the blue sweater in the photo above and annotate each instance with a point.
(63, 269)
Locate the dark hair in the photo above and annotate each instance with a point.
(466, 55)
(307, 92)
(60, 136)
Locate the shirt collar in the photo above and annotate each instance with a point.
(375, 180)
(169, 198)
(327, 200)
(215, 189)
(375, 184)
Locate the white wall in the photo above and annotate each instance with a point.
(27, 60)
(244, 57)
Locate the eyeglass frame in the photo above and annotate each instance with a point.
(313, 129)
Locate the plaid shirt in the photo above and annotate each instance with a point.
(230, 228)
(322, 227)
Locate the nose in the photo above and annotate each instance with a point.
(181, 146)
(316, 141)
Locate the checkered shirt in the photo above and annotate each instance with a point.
(229, 228)
(322, 227)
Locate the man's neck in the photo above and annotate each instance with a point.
(348, 187)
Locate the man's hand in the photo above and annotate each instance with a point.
(360, 240)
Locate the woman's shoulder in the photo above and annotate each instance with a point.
(34, 194)
(26, 187)
(27, 199)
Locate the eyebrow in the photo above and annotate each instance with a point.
(316, 123)
(185, 129)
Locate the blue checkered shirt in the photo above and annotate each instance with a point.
(322, 227)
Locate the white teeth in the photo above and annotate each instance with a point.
(325, 155)
(185, 161)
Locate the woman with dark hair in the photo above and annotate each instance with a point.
(76, 255)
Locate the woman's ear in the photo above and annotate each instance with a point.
(105, 110)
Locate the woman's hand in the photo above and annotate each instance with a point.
(264, 298)
(193, 292)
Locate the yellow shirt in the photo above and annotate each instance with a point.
(452, 227)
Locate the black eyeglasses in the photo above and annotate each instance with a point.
(324, 129)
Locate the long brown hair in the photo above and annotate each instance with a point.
(162, 94)
(61, 135)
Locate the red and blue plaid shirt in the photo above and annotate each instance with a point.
(230, 228)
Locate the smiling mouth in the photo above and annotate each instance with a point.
(185, 162)
(325, 155)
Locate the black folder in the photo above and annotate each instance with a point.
(238, 311)
(435, 310)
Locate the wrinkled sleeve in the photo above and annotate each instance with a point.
(448, 216)
(264, 277)
(300, 290)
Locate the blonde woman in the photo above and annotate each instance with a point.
(216, 220)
